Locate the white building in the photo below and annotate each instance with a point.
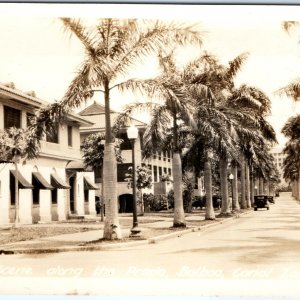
(51, 187)
(160, 164)
(278, 155)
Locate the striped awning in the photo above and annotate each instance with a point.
(58, 183)
(41, 181)
(24, 184)
(88, 184)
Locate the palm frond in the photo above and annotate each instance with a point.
(235, 66)
(292, 90)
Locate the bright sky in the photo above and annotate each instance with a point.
(36, 54)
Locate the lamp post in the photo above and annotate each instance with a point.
(132, 134)
(231, 177)
(255, 189)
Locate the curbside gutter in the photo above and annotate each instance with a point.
(116, 245)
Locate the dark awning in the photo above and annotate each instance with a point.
(42, 182)
(24, 184)
(58, 183)
(88, 184)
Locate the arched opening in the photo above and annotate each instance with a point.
(126, 203)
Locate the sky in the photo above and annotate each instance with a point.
(37, 54)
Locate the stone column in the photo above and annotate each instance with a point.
(79, 194)
(92, 204)
(25, 206)
(61, 205)
(4, 192)
(45, 206)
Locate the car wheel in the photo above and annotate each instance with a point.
(255, 208)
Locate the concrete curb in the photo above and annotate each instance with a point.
(116, 245)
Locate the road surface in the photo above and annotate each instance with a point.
(255, 255)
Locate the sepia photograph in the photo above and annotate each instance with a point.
(150, 150)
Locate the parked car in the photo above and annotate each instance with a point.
(261, 201)
(271, 199)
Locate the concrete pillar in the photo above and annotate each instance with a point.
(23, 119)
(61, 205)
(45, 206)
(79, 195)
(92, 204)
(25, 206)
(4, 192)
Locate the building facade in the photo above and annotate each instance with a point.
(160, 163)
(53, 186)
(278, 155)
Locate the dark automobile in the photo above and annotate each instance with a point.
(261, 201)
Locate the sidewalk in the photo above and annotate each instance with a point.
(154, 228)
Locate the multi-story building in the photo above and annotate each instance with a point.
(278, 155)
(54, 185)
(160, 163)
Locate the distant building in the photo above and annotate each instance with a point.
(54, 185)
(160, 163)
(278, 155)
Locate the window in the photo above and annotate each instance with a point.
(35, 191)
(155, 173)
(86, 195)
(122, 170)
(52, 133)
(160, 171)
(165, 170)
(54, 196)
(169, 171)
(12, 189)
(12, 117)
(98, 174)
(70, 136)
(126, 144)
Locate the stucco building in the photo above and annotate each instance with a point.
(160, 163)
(278, 155)
(51, 187)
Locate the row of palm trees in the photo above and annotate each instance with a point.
(197, 112)
(291, 129)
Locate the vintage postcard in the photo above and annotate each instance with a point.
(150, 150)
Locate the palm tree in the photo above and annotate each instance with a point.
(113, 47)
(166, 116)
(291, 163)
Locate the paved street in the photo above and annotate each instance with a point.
(255, 255)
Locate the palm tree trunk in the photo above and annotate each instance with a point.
(209, 209)
(247, 173)
(179, 218)
(252, 184)
(243, 187)
(261, 186)
(235, 200)
(112, 228)
(224, 185)
(102, 196)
